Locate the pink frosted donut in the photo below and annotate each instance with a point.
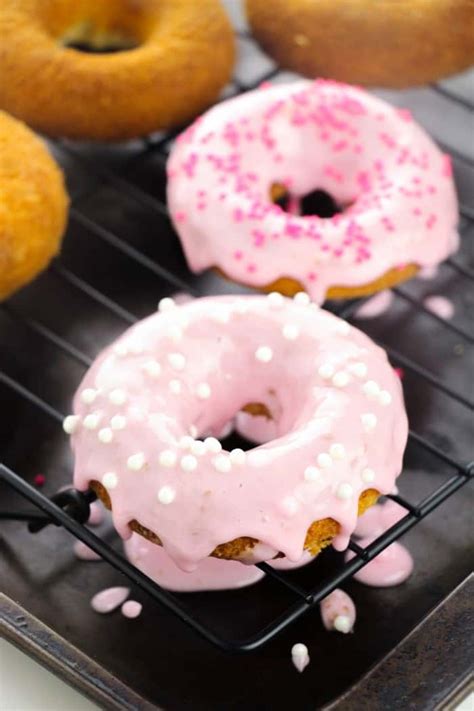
(146, 412)
(395, 186)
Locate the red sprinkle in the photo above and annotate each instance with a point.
(39, 480)
(399, 372)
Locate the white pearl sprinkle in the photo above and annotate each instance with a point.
(290, 331)
(369, 421)
(371, 389)
(213, 445)
(193, 431)
(71, 423)
(198, 448)
(121, 349)
(222, 463)
(91, 421)
(118, 396)
(326, 371)
(167, 458)
(175, 333)
(88, 395)
(299, 650)
(166, 495)
(118, 422)
(367, 475)
(166, 304)
(311, 473)
(105, 435)
(302, 298)
(359, 369)
(220, 316)
(240, 306)
(237, 456)
(175, 386)
(136, 348)
(203, 391)
(341, 379)
(110, 480)
(275, 299)
(264, 354)
(385, 398)
(177, 361)
(186, 441)
(342, 624)
(344, 491)
(337, 451)
(188, 463)
(324, 460)
(152, 368)
(290, 505)
(136, 461)
(343, 328)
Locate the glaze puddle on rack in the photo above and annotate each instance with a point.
(119, 258)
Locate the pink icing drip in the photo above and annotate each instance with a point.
(300, 661)
(379, 518)
(83, 552)
(109, 599)
(440, 305)
(376, 305)
(336, 605)
(131, 609)
(235, 349)
(391, 567)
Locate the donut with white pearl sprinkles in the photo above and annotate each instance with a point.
(152, 452)
(245, 179)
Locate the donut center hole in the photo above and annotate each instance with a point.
(245, 432)
(317, 202)
(90, 39)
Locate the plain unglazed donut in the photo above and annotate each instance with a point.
(177, 55)
(394, 186)
(383, 43)
(33, 205)
(147, 414)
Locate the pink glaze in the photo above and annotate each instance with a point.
(131, 609)
(83, 552)
(391, 567)
(379, 518)
(96, 515)
(338, 612)
(376, 305)
(300, 656)
(341, 426)
(401, 203)
(109, 599)
(440, 305)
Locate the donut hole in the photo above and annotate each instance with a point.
(90, 39)
(317, 202)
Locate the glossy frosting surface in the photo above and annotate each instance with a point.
(146, 411)
(394, 184)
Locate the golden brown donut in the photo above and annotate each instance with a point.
(177, 55)
(33, 205)
(319, 534)
(393, 43)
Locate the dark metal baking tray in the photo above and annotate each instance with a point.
(155, 661)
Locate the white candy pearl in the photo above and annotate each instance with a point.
(337, 451)
(385, 398)
(71, 423)
(324, 460)
(136, 461)
(369, 421)
(91, 421)
(344, 491)
(213, 445)
(326, 371)
(343, 328)
(152, 368)
(367, 475)
(341, 379)
(175, 333)
(110, 480)
(371, 389)
(118, 422)
(186, 441)
(166, 304)
(175, 386)
(121, 349)
(290, 505)
(342, 624)
(359, 369)
(177, 361)
(203, 391)
(275, 299)
(118, 396)
(166, 495)
(193, 431)
(302, 299)
(167, 458)
(188, 463)
(299, 650)
(136, 348)
(264, 354)
(237, 456)
(290, 331)
(222, 463)
(220, 316)
(198, 448)
(105, 435)
(88, 395)
(311, 473)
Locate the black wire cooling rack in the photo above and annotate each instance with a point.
(70, 508)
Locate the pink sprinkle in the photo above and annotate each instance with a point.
(265, 85)
(238, 254)
(180, 217)
(109, 599)
(251, 268)
(131, 609)
(399, 372)
(405, 114)
(39, 480)
(83, 552)
(312, 276)
(447, 168)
